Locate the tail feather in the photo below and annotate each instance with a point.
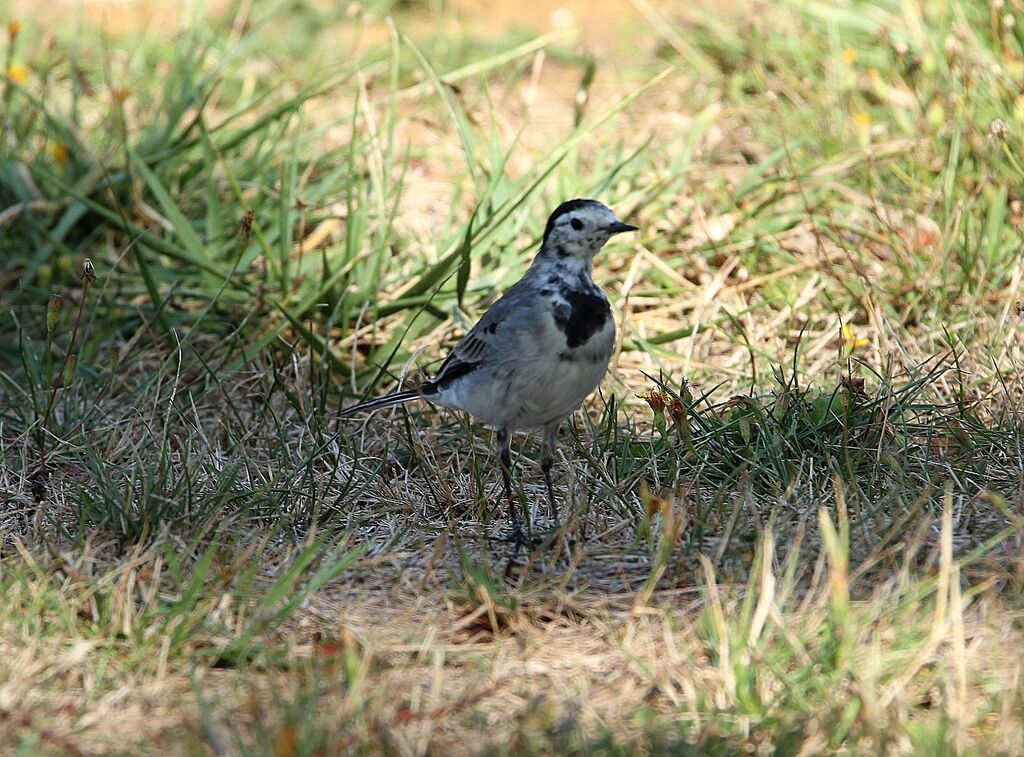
(387, 401)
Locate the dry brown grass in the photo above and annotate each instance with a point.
(381, 665)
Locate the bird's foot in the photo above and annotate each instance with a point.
(555, 536)
(544, 539)
(520, 540)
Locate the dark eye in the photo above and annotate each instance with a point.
(576, 223)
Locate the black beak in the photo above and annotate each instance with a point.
(618, 227)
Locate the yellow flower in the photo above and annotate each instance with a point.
(59, 152)
(849, 56)
(18, 73)
(863, 120)
(13, 27)
(850, 340)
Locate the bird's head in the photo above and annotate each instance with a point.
(579, 229)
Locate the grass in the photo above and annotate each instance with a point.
(794, 509)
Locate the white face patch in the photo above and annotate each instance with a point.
(581, 230)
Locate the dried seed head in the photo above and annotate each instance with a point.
(999, 130)
(854, 384)
(245, 225)
(677, 410)
(88, 271)
(658, 400)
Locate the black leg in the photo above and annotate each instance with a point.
(547, 460)
(505, 455)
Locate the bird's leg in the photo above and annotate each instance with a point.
(547, 459)
(505, 454)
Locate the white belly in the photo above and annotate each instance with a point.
(530, 388)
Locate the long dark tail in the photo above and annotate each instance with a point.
(392, 399)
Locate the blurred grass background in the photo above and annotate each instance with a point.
(795, 505)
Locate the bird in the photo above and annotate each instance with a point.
(538, 352)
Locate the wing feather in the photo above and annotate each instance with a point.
(479, 342)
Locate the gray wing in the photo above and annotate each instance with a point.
(487, 337)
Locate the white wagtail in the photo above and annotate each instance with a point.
(539, 351)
